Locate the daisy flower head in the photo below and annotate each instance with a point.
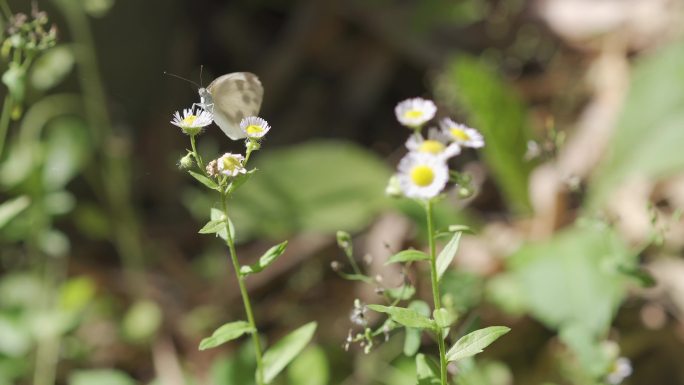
(192, 121)
(254, 127)
(231, 164)
(462, 134)
(422, 175)
(436, 144)
(415, 112)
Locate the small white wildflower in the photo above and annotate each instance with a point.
(415, 112)
(462, 134)
(254, 127)
(192, 120)
(422, 175)
(231, 164)
(436, 144)
(622, 368)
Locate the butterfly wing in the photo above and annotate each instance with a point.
(235, 96)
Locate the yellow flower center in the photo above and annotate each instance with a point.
(431, 146)
(413, 114)
(254, 129)
(189, 120)
(422, 175)
(460, 134)
(230, 163)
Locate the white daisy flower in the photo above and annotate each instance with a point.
(193, 120)
(415, 112)
(231, 164)
(462, 134)
(254, 126)
(622, 368)
(422, 175)
(436, 144)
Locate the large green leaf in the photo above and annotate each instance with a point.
(649, 134)
(497, 111)
(574, 277)
(278, 356)
(225, 333)
(474, 343)
(318, 186)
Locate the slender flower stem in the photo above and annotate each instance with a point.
(435, 290)
(245, 295)
(196, 154)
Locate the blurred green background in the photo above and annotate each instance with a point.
(578, 192)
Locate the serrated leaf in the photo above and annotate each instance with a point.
(213, 226)
(225, 333)
(268, 258)
(204, 180)
(278, 356)
(427, 371)
(413, 335)
(404, 316)
(13, 207)
(407, 256)
(446, 256)
(473, 343)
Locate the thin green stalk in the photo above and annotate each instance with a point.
(435, 290)
(5, 120)
(196, 154)
(245, 296)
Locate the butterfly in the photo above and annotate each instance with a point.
(231, 98)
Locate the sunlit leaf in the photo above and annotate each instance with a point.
(268, 258)
(278, 356)
(408, 256)
(446, 256)
(404, 316)
(474, 343)
(225, 333)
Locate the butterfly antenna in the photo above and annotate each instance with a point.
(182, 78)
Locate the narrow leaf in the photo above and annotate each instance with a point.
(408, 255)
(284, 351)
(213, 227)
(268, 258)
(225, 333)
(406, 317)
(473, 343)
(401, 293)
(12, 208)
(218, 215)
(412, 338)
(204, 180)
(427, 370)
(447, 255)
(461, 229)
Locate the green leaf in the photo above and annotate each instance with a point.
(100, 377)
(427, 370)
(225, 333)
(408, 255)
(473, 343)
(213, 226)
(311, 367)
(355, 277)
(293, 190)
(461, 229)
(648, 135)
(268, 258)
(13, 207)
(406, 317)
(638, 273)
(498, 112)
(447, 255)
(239, 180)
(142, 321)
(52, 67)
(204, 180)
(413, 335)
(218, 215)
(278, 356)
(67, 149)
(401, 293)
(443, 317)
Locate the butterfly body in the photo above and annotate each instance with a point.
(231, 98)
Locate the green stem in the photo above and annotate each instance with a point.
(5, 120)
(245, 295)
(196, 154)
(435, 290)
